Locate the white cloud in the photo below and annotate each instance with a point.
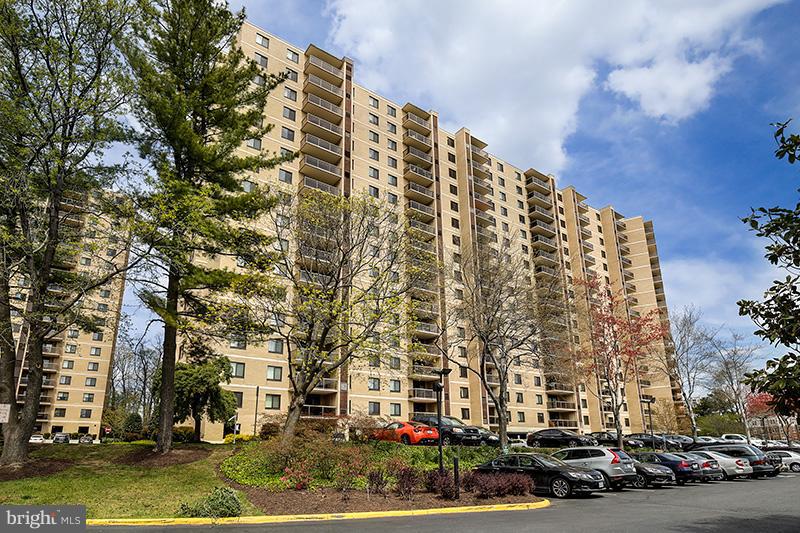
(515, 72)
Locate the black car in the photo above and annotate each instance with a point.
(758, 459)
(652, 475)
(607, 438)
(557, 438)
(454, 431)
(656, 441)
(488, 438)
(61, 438)
(684, 469)
(549, 474)
(684, 441)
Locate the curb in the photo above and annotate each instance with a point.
(278, 519)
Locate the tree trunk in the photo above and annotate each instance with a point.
(18, 431)
(502, 421)
(618, 427)
(167, 392)
(692, 421)
(8, 356)
(293, 416)
(198, 419)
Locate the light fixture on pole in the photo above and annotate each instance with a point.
(439, 387)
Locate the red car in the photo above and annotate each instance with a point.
(408, 433)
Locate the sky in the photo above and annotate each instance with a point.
(661, 109)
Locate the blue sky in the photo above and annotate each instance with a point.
(660, 111)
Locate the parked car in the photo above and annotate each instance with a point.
(407, 433)
(656, 441)
(549, 474)
(652, 474)
(36, 439)
(517, 443)
(776, 463)
(734, 438)
(683, 441)
(707, 440)
(757, 459)
(454, 431)
(684, 469)
(61, 438)
(615, 465)
(86, 439)
(711, 471)
(609, 438)
(488, 438)
(732, 467)
(558, 438)
(788, 458)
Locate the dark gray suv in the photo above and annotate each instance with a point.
(757, 459)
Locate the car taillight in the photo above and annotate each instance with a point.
(706, 465)
(739, 462)
(683, 464)
(615, 460)
(757, 462)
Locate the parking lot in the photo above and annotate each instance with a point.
(771, 505)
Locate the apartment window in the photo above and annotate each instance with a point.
(237, 370)
(505, 228)
(85, 261)
(584, 404)
(394, 409)
(238, 342)
(105, 293)
(259, 80)
(459, 293)
(391, 127)
(287, 133)
(500, 166)
(462, 371)
(291, 74)
(373, 173)
(292, 56)
(456, 240)
(373, 119)
(90, 382)
(261, 60)
(391, 161)
(392, 197)
(374, 408)
(463, 392)
(374, 137)
(502, 196)
(539, 399)
(239, 398)
(462, 351)
(285, 176)
(540, 418)
(248, 186)
(520, 417)
(262, 40)
(520, 205)
(391, 111)
(374, 155)
(274, 373)
(454, 222)
(504, 211)
(102, 307)
(373, 102)
(95, 350)
(289, 113)
(520, 398)
(394, 385)
(68, 364)
(586, 420)
(73, 333)
(290, 94)
(451, 172)
(392, 180)
(453, 189)
(62, 396)
(374, 192)
(88, 397)
(60, 412)
(93, 367)
(374, 384)
(465, 413)
(65, 380)
(275, 346)
(254, 143)
(272, 401)
(517, 379)
(451, 157)
(537, 381)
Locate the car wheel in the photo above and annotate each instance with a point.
(640, 482)
(405, 440)
(681, 482)
(482, 442)
(606, 480)
(795, 467)
(536, 444)
(725, 476)
(572, 443)
(560, 487)
(445, 441)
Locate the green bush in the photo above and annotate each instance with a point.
(183, 434)
(240, 438)
(46, 436)
(221, 503)
(133, 423)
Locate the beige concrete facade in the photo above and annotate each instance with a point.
(353, 139)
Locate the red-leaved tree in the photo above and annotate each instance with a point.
(615, 344)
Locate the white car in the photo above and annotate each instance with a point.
(36, 439)
(707, 440)
(732, 467)
(734, 438)
(791, 460)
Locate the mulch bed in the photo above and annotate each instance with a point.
(330, 501)
(35, 468)
(148, 458)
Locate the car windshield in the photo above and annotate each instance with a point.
(570, 433)
(671, 457)
(548, 460)
(451, 421)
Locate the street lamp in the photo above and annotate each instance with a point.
(439, 387)
(650, 402)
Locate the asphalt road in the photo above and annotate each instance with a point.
(764, 505)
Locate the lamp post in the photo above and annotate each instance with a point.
(439, 387)
(650, 402)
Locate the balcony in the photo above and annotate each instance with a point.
(535, 183)
(542, 228)
(425, 309)
(478, 154)
(543, 243)
(74, 220)
(418, 175)
(422, 395)
(424, 373)
(620, 225)
(492, 379)
(319, 106)
(419, 211)
(625, 261)
(424, 351)
(486, 233)
(481, 185)
(582, 207)
(545, 258)
(422, 229)
(315, 257)
(623, 249)
(561, 406)
(482, 202)
(583, 220)
(540, 213)
(628, 275)
(320, 148)
(558, 423)
(323, 69)
(480, 169)
(586, 233)
(412, 121)
(542, 200)
(589, 259)
(321, 128)
(423, 289)
(545, 271)
(417, 140)
(322, 170)
(484, 219)
(559, 388)
(422, 247)
(326, 386)
(324, 89)
(417, 192)
(46, 383)
(425, 330)
(318, 411)
(587, 246)
(316, 278)
(621, 237)
(415, 156)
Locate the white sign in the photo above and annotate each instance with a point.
(5, 412)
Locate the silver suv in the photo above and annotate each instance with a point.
(615, 465)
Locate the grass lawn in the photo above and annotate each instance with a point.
(110, 488)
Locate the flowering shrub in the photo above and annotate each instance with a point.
(498, 485)
(406, 482)
(377, 482)
(298, 476)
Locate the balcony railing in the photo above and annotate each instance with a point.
(424, 370)
(325, 145)
(419, 189)
(327, 384)
(545, 271)
(562, 387)
(538, 225)
(318, 410)
(319, 82)
(422, 394)
(423, 227)
(422, 208)
(544, 241)
(477, 151)
(324, 65)
(541, 211)
(419, 171)
(426, 328)
(561, 405)
(316, 184)
(412, 152)
(533, 181)
(563, 423)
(422, 139)
(324, 104)
(411, 117)
(324, 124)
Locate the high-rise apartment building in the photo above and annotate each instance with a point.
(456, 194)
(76, 363)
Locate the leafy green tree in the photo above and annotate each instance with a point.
(717, 424)
(198, 392)
(198, 99)
(714, 403)
(133, 423)
(777, 316)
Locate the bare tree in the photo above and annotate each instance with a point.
(346, 269)
(506, 321)
(689, 360)
(732, 360)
